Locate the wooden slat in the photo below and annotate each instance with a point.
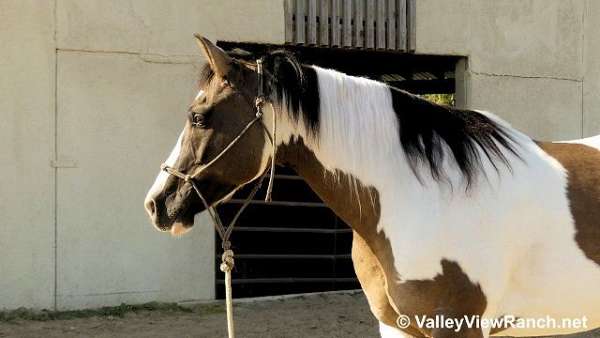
(412, 24)
(370, 25)
(280, 203)
(401, 32)
(391, 24)
(289, 20)
(311, 23)
(300, 17)
(290, 256)
(359, 17)
(380, 25)
(324, 23)
(287, 280)
(347, 23)
(335, 23)
(292, 230)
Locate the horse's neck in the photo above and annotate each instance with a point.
(354, 203)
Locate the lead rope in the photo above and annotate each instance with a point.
(227, 259)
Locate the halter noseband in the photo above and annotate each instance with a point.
(227, 261)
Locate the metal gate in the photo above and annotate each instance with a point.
(293, 244)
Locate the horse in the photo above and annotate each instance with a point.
(455, 214)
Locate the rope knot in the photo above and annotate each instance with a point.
(260, 100)
(187, 178)
(227, 261)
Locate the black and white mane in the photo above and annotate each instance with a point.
(428, 132)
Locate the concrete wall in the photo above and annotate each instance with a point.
(27, 188)
(93, 95)
(533, 62)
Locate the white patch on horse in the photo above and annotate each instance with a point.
(386, 331)
(161, 179)
(512, 232)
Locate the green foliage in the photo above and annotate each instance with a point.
(444, 99)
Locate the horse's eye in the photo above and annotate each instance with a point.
(198, 120)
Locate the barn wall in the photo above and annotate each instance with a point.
(525, 59)
(27, 61)
(108, 82)
(591, 86)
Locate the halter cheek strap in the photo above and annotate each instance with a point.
(227, 260)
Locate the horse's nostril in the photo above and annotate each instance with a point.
(151, 207)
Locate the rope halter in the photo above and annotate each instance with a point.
(227, 259)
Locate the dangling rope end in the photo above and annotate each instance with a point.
(227, 264)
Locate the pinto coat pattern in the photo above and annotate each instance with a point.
(454, 212)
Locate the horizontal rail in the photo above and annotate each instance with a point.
(287, 280)
(289, 256)
(281, 203)
(293, 230)
(287, 177)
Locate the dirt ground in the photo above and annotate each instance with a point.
(315, 316)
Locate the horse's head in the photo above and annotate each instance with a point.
(223, 107)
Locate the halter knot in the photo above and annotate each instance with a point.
(227, 261)
(260, 100)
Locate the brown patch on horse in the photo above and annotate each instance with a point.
(582, 163)
(451, 293)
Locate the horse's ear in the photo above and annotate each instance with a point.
(219, 61)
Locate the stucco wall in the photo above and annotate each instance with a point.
(27, 62)
(529, 61)
(93, 95)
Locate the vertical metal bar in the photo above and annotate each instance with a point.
(411, 13)
(380, 25)
(289, 20)
(402, 24)
(391, 24)
(347, 22)
(311, 24)
(324, 23)
(300, 17)
(370, 25)
(335, 23)
(359, 17)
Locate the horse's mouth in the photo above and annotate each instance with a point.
(180, 229)
(177, 216)
(182, 207)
